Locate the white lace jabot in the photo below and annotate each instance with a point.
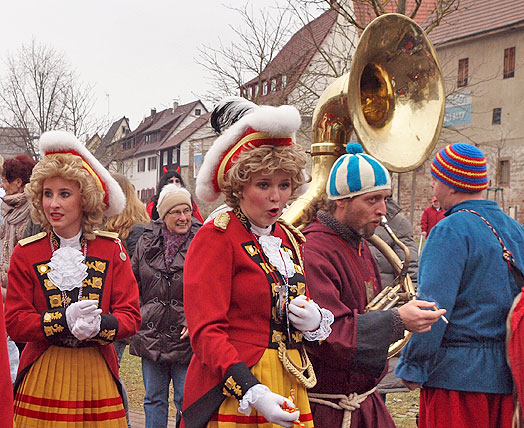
(67, 265)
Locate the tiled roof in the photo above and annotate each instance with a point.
(364, 13)
(299, 50)
(185, 133)
(165, 121)
(476, 17)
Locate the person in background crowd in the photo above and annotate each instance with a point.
(343, 277)
(244, 283)
(129, 225)
(431, 216)
(15, 209)
(71, 292)
(403, 229)
(462, 365)
(2, 191)
(8, 356)
(170, 177)
(163, 341)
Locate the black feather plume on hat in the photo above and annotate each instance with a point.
(228, 111)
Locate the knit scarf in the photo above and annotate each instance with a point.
(15, 213)
(173, 242)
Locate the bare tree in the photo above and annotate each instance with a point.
(41, 92)
(258, 38)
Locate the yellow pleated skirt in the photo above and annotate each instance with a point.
(69, 388)
(269, 371)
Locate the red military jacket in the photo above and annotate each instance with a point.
(229, 300)
(34, 310)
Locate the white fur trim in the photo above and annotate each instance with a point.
(277, 122)
(62, 141)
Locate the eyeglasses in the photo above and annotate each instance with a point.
(177, 213)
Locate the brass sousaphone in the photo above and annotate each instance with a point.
(393, 98)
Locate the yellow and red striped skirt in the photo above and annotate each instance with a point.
(69, 387)
(269, 371)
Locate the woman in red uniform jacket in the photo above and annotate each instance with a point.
(71, 293)
(244, 286)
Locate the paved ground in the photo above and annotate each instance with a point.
(138, 420)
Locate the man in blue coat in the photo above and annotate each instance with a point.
(462, 365)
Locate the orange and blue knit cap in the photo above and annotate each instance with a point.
(462, 167)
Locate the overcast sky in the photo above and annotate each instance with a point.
(136, 54)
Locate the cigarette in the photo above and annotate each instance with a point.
(442, 316)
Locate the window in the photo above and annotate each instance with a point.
(503, 172)
(198, 112)
(509, 62)
(141, 165)
(284, 81)
(273, 84)
(148, 138)
(264, 88)
(497, 116)
(463, 72)
(151, 163)
(164, 157)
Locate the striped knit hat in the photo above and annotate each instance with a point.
(462, 167)
(356, 173)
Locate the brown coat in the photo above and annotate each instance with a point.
(161, 298)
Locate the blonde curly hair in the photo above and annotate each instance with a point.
(290, 159)
(68, 167)
(134, 213)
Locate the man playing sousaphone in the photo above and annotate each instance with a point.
(343, 277)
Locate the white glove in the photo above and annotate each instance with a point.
(304, 314)
(268, 405)
(87, 327)
(83, 308)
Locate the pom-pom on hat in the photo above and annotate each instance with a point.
(461, 166)
(356, 173)
(248, 126)
(170, 196)
(54, 142)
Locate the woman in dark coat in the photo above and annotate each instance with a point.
(163, 341)
(170, 177)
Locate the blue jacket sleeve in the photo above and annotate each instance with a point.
(439, 278)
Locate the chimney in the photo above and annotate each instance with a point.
(175, 105)
(153, 112)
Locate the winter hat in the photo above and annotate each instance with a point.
(356, 173)
(170, 196)
(54, 142)
(462, 167)
(248, 125)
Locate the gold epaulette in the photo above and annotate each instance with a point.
(221, 221)
(33, 238)
(106, 234)
(293, 229)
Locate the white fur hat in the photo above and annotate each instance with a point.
(53, 142)
(258, 125)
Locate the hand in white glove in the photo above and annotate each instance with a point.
(268, 405)
(87, 327)
(81, 309)
(304, 314)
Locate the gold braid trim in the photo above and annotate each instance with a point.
(296, 370)
(292, 233)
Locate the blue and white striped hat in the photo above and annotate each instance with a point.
(356, 173)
